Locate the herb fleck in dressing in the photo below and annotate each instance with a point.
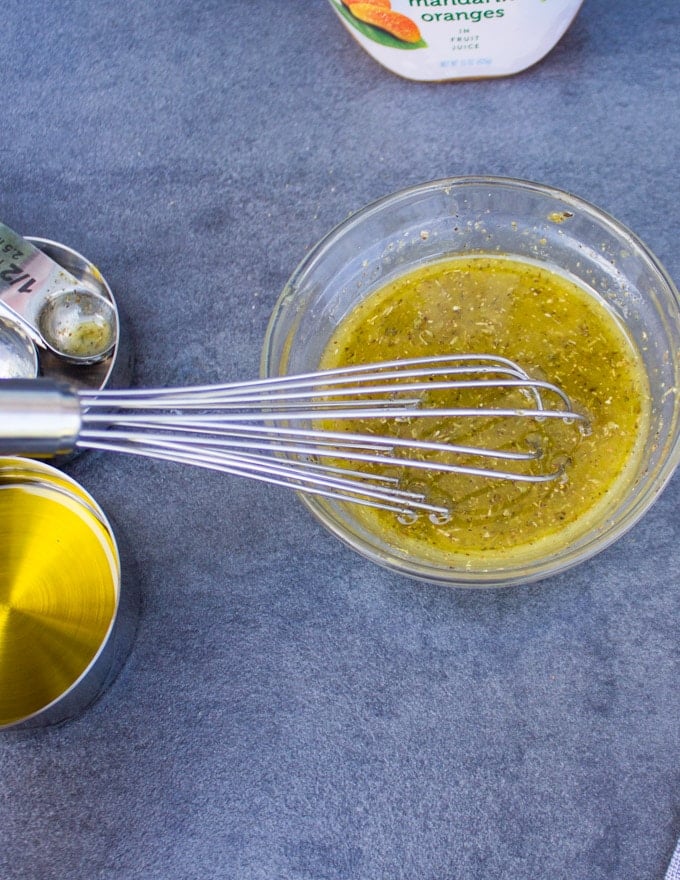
(556, 331)
(88, 339)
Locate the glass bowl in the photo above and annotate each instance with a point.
(496, 216)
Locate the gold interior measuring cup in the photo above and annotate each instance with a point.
(64, 631)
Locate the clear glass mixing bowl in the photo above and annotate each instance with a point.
(519, 219)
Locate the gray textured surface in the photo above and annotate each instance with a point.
(290, 711)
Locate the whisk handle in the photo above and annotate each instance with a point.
(39, 418)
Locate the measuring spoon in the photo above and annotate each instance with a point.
(77, 325)
(18, 357)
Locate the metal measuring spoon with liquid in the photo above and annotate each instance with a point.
(57, 312)
(77, 325)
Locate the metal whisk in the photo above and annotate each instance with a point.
(273, 429)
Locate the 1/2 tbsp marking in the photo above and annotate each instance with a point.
(14, 275)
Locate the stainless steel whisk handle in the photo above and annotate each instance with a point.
(38, 418)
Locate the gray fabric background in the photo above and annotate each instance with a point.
(289, 711)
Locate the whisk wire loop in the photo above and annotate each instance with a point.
(285, 429)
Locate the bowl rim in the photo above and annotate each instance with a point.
(548, 566)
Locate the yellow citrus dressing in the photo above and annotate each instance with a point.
(557, 331)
